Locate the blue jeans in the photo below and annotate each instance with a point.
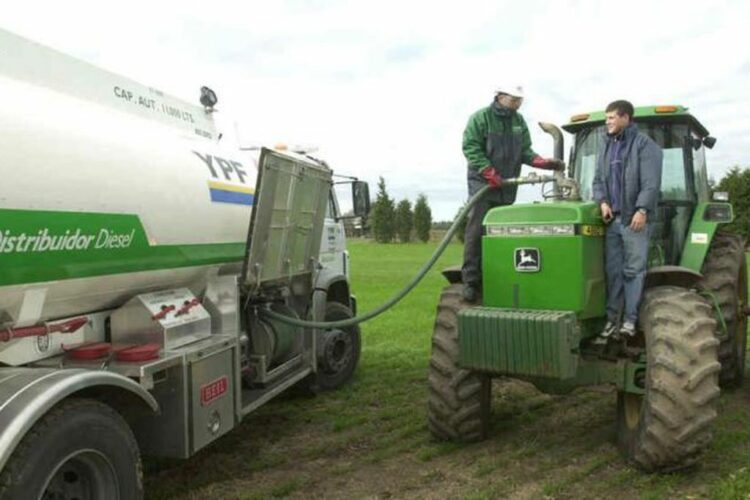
(626, 256)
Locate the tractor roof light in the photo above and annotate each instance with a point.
(665, 109)
(579, 118)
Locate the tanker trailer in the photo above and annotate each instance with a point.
(136, 256)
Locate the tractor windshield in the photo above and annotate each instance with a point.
(677, 174)
(683, 174)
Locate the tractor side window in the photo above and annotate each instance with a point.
(673, 182)
(699, 171)
(674, 175)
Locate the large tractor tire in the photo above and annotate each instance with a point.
(459, 400)
(670, 426)
(725, 277)
(82, 449)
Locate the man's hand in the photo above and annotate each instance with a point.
(547, 163)
(606, 212)
(492, 176)
(638, 221)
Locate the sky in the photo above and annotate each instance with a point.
(385, 88)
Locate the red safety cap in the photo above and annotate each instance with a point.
(141, 352)
(90, 350)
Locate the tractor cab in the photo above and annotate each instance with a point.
(683, 140)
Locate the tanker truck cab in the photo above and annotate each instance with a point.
(544, 296)
(135, 266)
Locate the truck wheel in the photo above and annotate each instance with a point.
(459, 400)
(81, 449)
(725, 276)
(338, 350)
(669, 426)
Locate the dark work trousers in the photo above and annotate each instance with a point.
(471, 272)
(504, 150)
(626, 256)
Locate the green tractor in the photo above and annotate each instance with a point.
(543, 303)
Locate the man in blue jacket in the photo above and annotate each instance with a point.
(626, 186)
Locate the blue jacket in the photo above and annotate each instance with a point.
(641, 174)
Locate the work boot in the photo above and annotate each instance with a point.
(609, 331)
(470, 293)
(627, 330)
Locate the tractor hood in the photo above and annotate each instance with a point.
(545, 213)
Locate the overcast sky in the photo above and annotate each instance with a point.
(384, 88)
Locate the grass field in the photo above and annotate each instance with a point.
(370, 440)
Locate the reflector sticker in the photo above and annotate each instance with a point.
(229, 193)
(700, 238)
(587, 230)
(214, 390)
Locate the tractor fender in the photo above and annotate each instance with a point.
(672, 275)
(27, 394)
(330, 286)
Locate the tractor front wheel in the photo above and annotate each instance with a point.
(670, 426)
(459, 400)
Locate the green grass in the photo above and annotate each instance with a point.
(370, 439)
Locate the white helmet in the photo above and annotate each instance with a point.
(512, 90)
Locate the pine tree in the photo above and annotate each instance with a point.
(404, 221)
(383, 215)
(422, 218)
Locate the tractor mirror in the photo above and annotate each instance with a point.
(361, 198)
(720, 196)
(709, 141)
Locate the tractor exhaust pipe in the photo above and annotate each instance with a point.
(564, 188)
(557, 138)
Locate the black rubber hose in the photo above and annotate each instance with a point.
(399, 295)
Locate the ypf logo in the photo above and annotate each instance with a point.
(527, 260)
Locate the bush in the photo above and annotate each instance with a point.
(737, 184)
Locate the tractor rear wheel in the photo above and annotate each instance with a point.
(459, 400)
(670, 426)
(725, 277)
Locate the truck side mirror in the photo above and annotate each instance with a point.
(361, 198)
(208, 97)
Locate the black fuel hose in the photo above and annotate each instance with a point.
(395, 298)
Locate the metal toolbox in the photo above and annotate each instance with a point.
(171, 318)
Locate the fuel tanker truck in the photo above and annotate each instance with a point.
(136, 253)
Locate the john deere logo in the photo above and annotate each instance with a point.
(527, 260)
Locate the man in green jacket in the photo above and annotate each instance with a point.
(496, 142)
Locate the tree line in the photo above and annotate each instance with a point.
(737, 183)
(399, 222)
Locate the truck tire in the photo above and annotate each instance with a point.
(338, 350)
(725, 276)
(670, 426)
(81, 449)
(459, 399)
